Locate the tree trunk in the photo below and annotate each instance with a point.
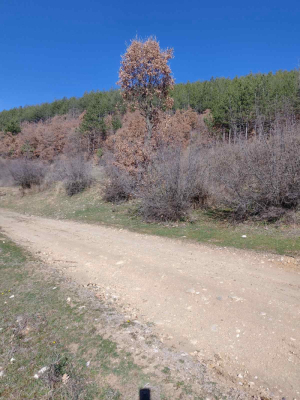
(149, 128)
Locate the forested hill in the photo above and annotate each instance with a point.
(235, 104)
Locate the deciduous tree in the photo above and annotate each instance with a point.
(145, 79)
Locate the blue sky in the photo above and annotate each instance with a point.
(52, 49)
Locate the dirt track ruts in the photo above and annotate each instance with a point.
(239, 310)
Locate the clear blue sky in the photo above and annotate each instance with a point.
(52, 49)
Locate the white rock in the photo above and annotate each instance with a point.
(192, 290)
(12, 296)
(244, 236)
(43, 370)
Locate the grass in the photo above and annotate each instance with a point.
(38, 328)
(205, 228)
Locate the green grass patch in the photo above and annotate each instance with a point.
(204, 228)
(49, 347)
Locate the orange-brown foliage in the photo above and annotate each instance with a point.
(130, 144)
(144, 72)
(44, 140)
(145, 79)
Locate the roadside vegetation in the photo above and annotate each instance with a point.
(203, 226)
(210, 158)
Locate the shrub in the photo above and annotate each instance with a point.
(13, 127)
(132, 149)
(259, 178)
(5, 175)
(120, 185)
(75, 173)
(44, 140)
(78, 176)
(175, 179)
(27, 172)
(99, 153)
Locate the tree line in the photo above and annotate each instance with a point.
(239, 107)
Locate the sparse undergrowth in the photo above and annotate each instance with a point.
(204, 226)
(38, 330)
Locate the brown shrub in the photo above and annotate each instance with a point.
(27, 173)
(120, 185)
(75, 173)
(255, 178)
(128, 144)
(5, 175)
(133, 150)
(44, 140)
(174, 181)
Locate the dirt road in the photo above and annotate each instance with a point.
(238, 311)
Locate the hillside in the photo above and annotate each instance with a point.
(238, 106)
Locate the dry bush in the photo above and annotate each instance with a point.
(128, 144)
(5, 175)
(27, 173)
(176, 129)
(131, 147)
(175, 180)
(75, 173)
(260, 177)
(43, 140)
(120, 185)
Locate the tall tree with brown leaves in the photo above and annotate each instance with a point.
(145, 79)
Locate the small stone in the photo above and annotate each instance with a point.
(192, 290)
(43, 370)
